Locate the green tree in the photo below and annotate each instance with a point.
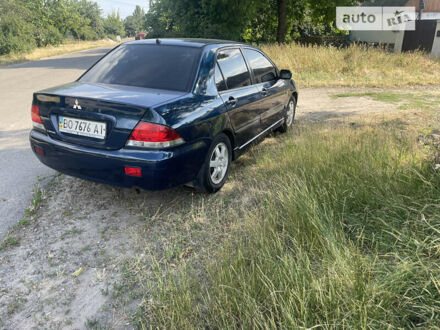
(135, 22)
(325, 10)
(92, 13)
(113, 25)
(250, 20)
(16, 31)
(25, 24)
(224, 19)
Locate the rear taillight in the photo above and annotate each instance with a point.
(148, 135)
(36, 119)
(133, 171)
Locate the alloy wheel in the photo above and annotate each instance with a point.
(290, 113)
(219, 162)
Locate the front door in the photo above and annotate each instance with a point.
(273, 92)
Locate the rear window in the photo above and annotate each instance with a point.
(150, 66)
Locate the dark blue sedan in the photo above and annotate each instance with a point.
(162, 113)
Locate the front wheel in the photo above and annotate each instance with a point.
(290, 115)
(215, 169)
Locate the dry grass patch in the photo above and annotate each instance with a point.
(354, 66)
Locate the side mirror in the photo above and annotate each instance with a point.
(285, 74)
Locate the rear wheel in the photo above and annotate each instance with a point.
(290, 115)
(215, 169)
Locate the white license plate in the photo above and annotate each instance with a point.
(82, 127)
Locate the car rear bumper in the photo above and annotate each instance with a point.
(160, 169)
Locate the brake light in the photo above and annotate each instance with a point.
(36, 119)
(149, 135)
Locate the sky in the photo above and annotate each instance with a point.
(125, 7)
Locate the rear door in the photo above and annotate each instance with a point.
(239, 95)
(273, 91)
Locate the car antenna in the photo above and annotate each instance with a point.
(158, 41)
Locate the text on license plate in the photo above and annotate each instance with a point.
(82, 127)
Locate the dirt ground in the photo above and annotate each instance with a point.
(66, 270)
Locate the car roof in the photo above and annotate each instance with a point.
(188, 42)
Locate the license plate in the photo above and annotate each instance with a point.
(82, 127)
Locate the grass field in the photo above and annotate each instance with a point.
(67, 47)
(356, 66)
(344, 232)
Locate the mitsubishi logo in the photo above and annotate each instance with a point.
(76, 105)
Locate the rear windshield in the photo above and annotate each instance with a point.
(150, 66)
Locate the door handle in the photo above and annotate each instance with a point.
(232, 101)
(264, 91)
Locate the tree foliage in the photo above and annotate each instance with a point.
(16, 33)
(248, 20)
(135, 22)
(25, 24)
(113, 25)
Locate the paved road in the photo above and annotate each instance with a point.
(19, 168)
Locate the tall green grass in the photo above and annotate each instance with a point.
(346, 234)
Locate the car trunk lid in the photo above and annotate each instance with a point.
(119, 107)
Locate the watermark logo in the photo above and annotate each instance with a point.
(376, 18)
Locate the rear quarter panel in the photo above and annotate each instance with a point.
(196, 117)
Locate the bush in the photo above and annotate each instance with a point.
(87, 33)
(50, 36)
(16, 36)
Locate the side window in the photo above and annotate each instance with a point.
(263, 70)
(219, 80)
(234, 68)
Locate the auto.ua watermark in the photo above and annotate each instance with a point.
(376, 18)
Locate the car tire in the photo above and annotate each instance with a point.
(290, 115)
(215, 169)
